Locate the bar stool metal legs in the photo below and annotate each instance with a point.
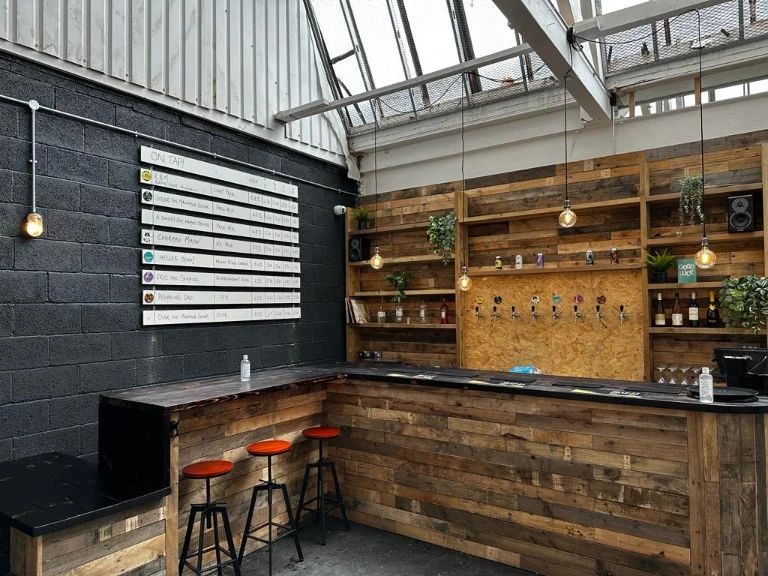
(324, 503)
(209, 514)
(269, 449)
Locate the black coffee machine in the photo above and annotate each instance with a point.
(744, 367)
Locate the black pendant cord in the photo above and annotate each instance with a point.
(701, 122)
(463, 179)
(565, 131)
(376, 171)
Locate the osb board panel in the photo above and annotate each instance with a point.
(558, 486)
(589, 348)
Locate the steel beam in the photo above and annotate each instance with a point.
(545, 30)
(634, 16)
(320, 106)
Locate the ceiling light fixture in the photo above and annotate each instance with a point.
(464, 283)
(377, 260)
(33, 223)
(567, 218)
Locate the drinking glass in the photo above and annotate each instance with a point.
(678, 375)
(666, 376)
(658, 374)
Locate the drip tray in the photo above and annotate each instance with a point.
(577, 384)
(671, 390)
(730, 394)
(515, 377)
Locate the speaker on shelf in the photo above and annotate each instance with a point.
(741, 213)
(359, 249)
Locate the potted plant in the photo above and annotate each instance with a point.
(441, 234)
(744, 302)
(399, 282)
(691, 200)
(362, 216)
(658, 264)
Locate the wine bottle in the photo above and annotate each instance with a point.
(713, 314)
(444, 312)
(693, 311)
(659, 317)
(677, 312)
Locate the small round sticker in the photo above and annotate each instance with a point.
(148, 256)
(556, 299)
(601, 299)
(535, 299)
(497, 299)
(148, 276)
(146, 175)
(147, 195)
(149, 297)
(578, 299)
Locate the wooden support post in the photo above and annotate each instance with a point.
(353, 285)
(631, 104)
(764, 169)
(643, 191)
(461, 249)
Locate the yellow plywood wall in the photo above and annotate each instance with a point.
(587, 347)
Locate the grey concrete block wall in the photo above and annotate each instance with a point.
(70, 317)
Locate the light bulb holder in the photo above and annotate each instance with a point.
(377, 260)
(33, 225)
(705, 258)
(464, 283)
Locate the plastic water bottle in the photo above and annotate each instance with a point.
(245, 369)
(706, 393)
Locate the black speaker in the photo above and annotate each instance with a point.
(359, 249)
(741, 213)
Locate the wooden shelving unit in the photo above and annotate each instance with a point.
(718, 237)
(389, 229)
(404, 326)
(491, 271)
(411, 293)
(709, 285)
(534, 212)
(700, 331)
(709, 192)
(403, 259)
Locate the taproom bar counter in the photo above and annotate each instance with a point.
(559, 478)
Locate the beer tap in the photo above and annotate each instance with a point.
(576, 313)
(622, 314)
(495, 315)
(478, 312)
(534, 314)
(515, 314)
(555, 313)
(598, 314)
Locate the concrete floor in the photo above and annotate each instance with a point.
(365, 551)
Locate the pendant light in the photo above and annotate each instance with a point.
(567, 218)
(705, 257)
(377, 260)
(33, 223)
(464, 283)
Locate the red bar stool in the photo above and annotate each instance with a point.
(209, 511)
(321, 433)
(270, 448)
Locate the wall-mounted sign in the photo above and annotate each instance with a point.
(226, 249)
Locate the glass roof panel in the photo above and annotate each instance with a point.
(379, 42)
(613, 5)
(432, 34)
(488, 28)
(331, 21)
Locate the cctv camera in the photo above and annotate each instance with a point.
(339, 210)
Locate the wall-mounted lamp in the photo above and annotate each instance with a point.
(33, 224)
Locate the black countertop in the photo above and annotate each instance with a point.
(183, 395)
(49, 492)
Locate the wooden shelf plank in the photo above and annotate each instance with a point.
(404, 326)
(534, 212)
(702, 331)
(392, 228)
(421, 292)
(708, 192)
(713, 238)
(403, 259)
(675, 286)
(491, 271)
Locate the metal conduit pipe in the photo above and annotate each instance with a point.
(25, 103)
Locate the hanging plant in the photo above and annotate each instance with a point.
(441, 234)
(362, 215)
(399, 282)
(744, 302)
(691, 200)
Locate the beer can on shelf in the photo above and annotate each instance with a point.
(614, 255)
(519, 261)
(590, 257)
(539, 260)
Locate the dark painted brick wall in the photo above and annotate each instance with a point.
(70, 324)
(69, 302)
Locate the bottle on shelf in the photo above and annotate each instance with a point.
(659, 315)
(398, 312)
(713, 314)
(444, 312)
(677, 311)
(706, 390)
(381, 314)
(693, 311)
(423, 312)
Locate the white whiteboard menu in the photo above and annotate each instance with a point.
(213, 248)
